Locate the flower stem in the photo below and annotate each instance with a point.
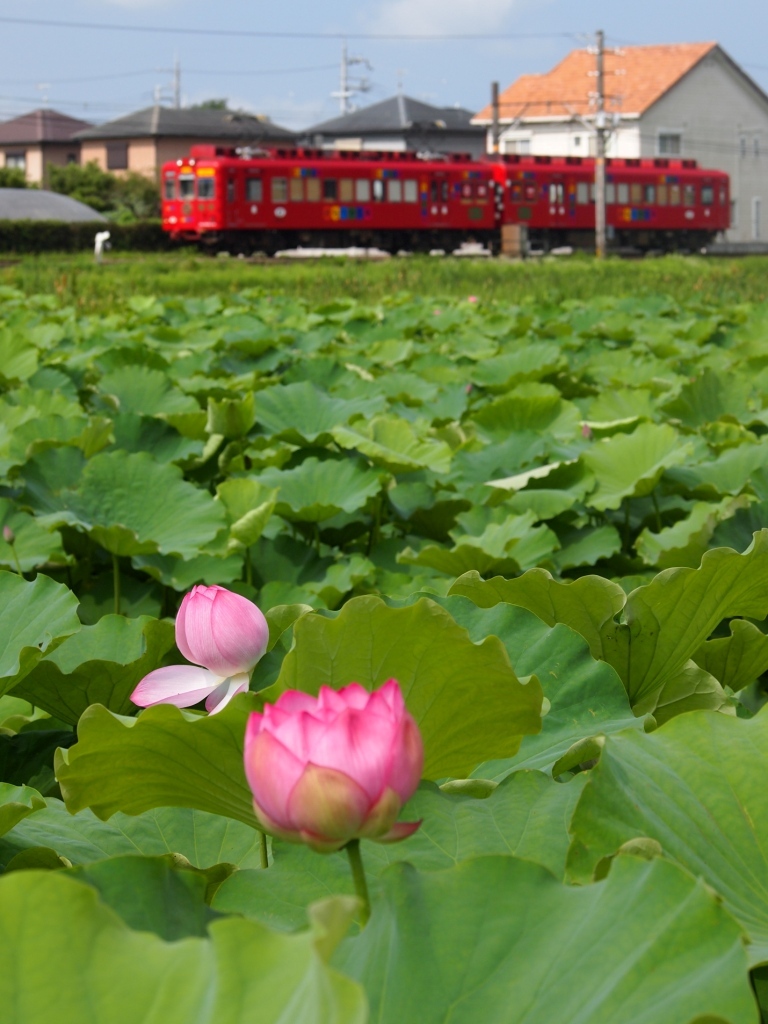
(263, 849)
(16, 559)
(116, 582)
(358, 876)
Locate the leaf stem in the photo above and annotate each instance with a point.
(12, 546)
(658, 512)
(116, 582)
(358, 877)
(248, 567)
(263, 849)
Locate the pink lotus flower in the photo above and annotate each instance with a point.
(333, 768)
(224, 633)
(471, 298)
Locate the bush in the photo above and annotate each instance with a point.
(30, 236)
(12, 177)
(123, 199)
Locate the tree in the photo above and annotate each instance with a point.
(126, 198)
(12, 177)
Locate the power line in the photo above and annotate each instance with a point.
(262, 34)
(154, 71)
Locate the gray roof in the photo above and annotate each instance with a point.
(37, 204)
(42, 125)
(398, 114)
(202, 123)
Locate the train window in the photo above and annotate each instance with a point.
(556, 193)
(313, 190)
(610, 192)
(444, 191)
(169, 188)
(253, 190)
(230, 190)
(296, 190)
(622, 192)
(707, 195)
(206, 188)
(530, 192)
(482, 191)
(466, 190)
(517, 193)
(433, 191)
(362, 190)
(689, 195)
(635, 193)
(410, 191)
(346, 190)
(649, 194)
(279, 190)
(582, 193)
(394, 191)
(330, 188)
(722, 197)
(674, 195)
(378, 190)
(661, 195)
(186, 186)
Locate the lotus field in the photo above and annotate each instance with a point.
(398, 663)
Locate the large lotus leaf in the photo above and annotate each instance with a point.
(685, 541)
(588, 604)
(392, 442)
(666, 622)
(465, 697)
(318, 490)
(630, 465)
(696, 787)
(499, 939)
(132, 505)
(735, 660)
(302, 414)
(16, 802)
(249, 506)
(26, 755)
(135, 433)
(690, 689)
(500, 373)
(33, 546)
(707, 398)
(144, 390)
(101, 664)
(203, 839)
(182, 574)
(162, 895)
(49, 475)
(729, 473)
(163, 758)
(526, 815)
(585, 547)
(34, 618)
(18, 358)
(98, 969)
(538, 408)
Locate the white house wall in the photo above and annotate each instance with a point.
(714, 109)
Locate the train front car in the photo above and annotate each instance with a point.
(289, 198)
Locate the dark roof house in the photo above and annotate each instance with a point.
(144, 140)
(37, 204)
(400, 123)
(32, 141)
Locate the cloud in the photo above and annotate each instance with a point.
(436, 17)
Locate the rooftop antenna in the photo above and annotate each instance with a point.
(349, 87)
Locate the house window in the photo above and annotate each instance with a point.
(71, 158)
(117, 156)
(253, 190)
(756, 211)
(519, 146)
(394, 191)
(410, 191)
(16, 160)
(743, 145)
(279, 190)
(362, 190)
(577, 141)
(670, 144)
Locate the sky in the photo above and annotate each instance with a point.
(264, 60)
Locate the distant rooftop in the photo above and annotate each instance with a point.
(42, 125)
(397, 114)
(200, 122)
(37, 204)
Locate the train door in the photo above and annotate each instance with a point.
(558, 203)
(233, 208)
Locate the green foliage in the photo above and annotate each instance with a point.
(125, 197)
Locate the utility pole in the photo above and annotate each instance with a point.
(600, 232)
(494, 118)
(176, 82)
(347, 86)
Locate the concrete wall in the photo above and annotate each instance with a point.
(714, 109)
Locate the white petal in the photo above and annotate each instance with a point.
(228, 689)
(181, 685)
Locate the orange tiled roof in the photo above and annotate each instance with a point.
(634, 79)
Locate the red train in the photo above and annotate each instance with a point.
(399, 201)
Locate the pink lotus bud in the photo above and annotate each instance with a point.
(8, 535)
(223, 632)
(471, 298)
(324, 770)
(586, 430)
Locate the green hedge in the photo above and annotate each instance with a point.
(24, 236)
